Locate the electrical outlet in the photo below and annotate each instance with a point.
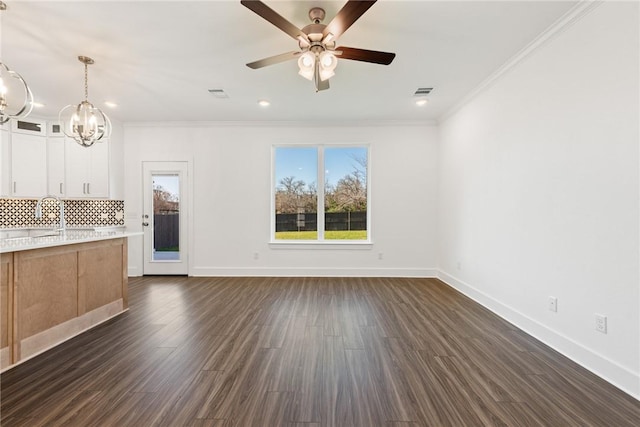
(256, 255)
(601, 323)
(380, 255)
(553, 304)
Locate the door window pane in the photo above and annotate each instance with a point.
(166, 217)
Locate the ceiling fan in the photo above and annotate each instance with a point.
(318, 55)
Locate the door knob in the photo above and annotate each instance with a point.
(146, 224)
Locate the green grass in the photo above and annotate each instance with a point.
(296, 235)
(328, 235)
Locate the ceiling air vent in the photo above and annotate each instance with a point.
(218, 93)
(422, 91)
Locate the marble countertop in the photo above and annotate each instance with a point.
(22, 240)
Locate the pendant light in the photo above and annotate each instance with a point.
(85, 123)
(16, 99)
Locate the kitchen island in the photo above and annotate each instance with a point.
(55, 286)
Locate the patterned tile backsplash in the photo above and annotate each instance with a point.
(20, 213)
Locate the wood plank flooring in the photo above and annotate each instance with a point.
(306, 352)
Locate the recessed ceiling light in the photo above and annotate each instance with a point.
(38, 104)
(421, 102)
(110, 104)
(263, 103)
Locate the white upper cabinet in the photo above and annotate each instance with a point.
(5, 163)
(86, 170)
(36, 159)
(55, 166)
(28, 165)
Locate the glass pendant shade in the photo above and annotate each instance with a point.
(306, 63)
(16, 99)
(328, 63)
(85, 123)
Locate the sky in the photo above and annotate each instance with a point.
(302, 162)
(169, 182)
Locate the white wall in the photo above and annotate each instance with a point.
(231, 191)
(538, 193)
(116, 161)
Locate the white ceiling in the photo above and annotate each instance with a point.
(157, 60)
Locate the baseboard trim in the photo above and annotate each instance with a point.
(312, 272)
(612, 372)
(134, 272)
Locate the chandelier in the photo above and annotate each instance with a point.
(85, 123)
(16, 99)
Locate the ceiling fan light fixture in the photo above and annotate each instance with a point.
(327, 64)
(317, 42)
(326, 74)
(328, 61)
(306, 64)
(85, 123)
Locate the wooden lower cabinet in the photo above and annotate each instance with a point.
(46, 288)
(56, 293)
(6, 309)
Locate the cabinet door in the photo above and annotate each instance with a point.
(5, 164)
(98, 177)
(87, 170)
(28, 165)
(76, 166)
(55, 159)
(6, 309)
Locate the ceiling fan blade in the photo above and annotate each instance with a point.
(276, 19)
(349, 14)
(273, 59)
(364, 55)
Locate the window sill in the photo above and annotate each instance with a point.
(321, 245)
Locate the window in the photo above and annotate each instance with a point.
(331, 180)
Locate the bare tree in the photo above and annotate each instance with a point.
(294, 196)
(350, 192)
(164, 201)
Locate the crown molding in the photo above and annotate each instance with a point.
(563, 23)
(276, 124)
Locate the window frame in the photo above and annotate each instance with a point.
(321, 242)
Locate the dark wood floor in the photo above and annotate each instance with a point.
(306, 352)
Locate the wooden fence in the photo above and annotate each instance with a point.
(166, 232)
(334, 221)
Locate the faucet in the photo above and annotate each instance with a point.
(38, 212)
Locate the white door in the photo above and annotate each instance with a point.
(165, 217)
